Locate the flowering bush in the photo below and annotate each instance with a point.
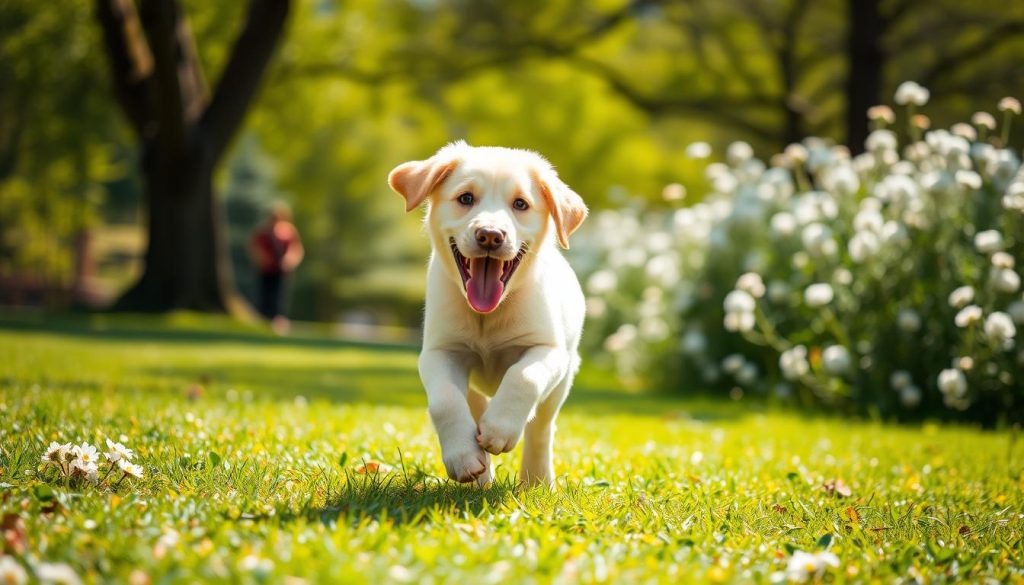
(884, 281)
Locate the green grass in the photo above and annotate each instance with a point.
(257, 478)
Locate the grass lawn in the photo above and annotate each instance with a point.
(259, 456)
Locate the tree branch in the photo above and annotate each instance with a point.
(131, 64)
(721, 107)
(160, 21)
(1006, 31)
(241, 77)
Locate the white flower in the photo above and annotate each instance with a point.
(57, 573)
(881, 114)
(965, 131)
(256, 564)
(804, 566)
(596, 307)
(968, 179)
(85, 459)
(129, 468)
(968, 316)
(817, 240)
(56, 452)
(999, 328)
(988, 241)
(1004, 280)
(747, 374)
(738, 153)
(869, 218)
(952, 383)
(673, 192)
(1002, 260)
(694, 342)
(1016, 311)
(984, 120)
(739, 301)
(842, 180)
(11, 573)
(1009, 104)
(836, 359)
(752, 284)
(733, 362)
(910, 92)
(739, 322)
(900, 379)
(783, 224)
(910, 396)
(601, 282)
(698, 150)
(863, 245)
(880, 140)
(793, 363)
(117, 451)
(908, 320)
(818, 295)
(621, 339)
(961, 297)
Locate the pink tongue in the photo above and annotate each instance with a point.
(484, 286)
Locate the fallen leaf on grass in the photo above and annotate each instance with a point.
(373, 467)
(837, 487)
(852, 514)
(15, 536)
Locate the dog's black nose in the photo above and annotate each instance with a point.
(490, 238)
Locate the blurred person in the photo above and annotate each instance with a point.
(276, 251)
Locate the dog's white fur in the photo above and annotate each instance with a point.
(493, 378)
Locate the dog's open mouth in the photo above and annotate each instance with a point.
(485, 278)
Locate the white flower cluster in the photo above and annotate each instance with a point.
(871, 270)
(13, 573)
(82, 461)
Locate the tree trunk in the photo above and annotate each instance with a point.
(184, 260)
(159, 84)
(865, 60)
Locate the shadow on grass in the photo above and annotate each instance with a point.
(400, 501)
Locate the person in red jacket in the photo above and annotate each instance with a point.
(276, 250)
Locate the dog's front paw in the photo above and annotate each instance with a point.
(467, 463)
(496, 435)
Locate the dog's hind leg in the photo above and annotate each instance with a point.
(538, 437)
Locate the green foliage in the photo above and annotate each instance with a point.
(57, 136)
(257, 454)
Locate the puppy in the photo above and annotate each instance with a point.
(504, 311)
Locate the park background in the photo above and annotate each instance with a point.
(647, 108)
(801, 265)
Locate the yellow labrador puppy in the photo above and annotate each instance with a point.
(504, 310)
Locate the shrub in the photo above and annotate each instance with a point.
(879, 282)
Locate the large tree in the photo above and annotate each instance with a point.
(183, 133)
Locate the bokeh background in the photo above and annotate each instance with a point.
(672, 118)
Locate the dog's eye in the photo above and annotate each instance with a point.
(520, 204)
(466, 199)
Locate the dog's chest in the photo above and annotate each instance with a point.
(489, 365)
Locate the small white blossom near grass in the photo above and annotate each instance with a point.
(81, 463)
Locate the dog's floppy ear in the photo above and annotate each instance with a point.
(414, 180)
(567, 208)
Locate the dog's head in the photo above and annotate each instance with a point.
(489, 209)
